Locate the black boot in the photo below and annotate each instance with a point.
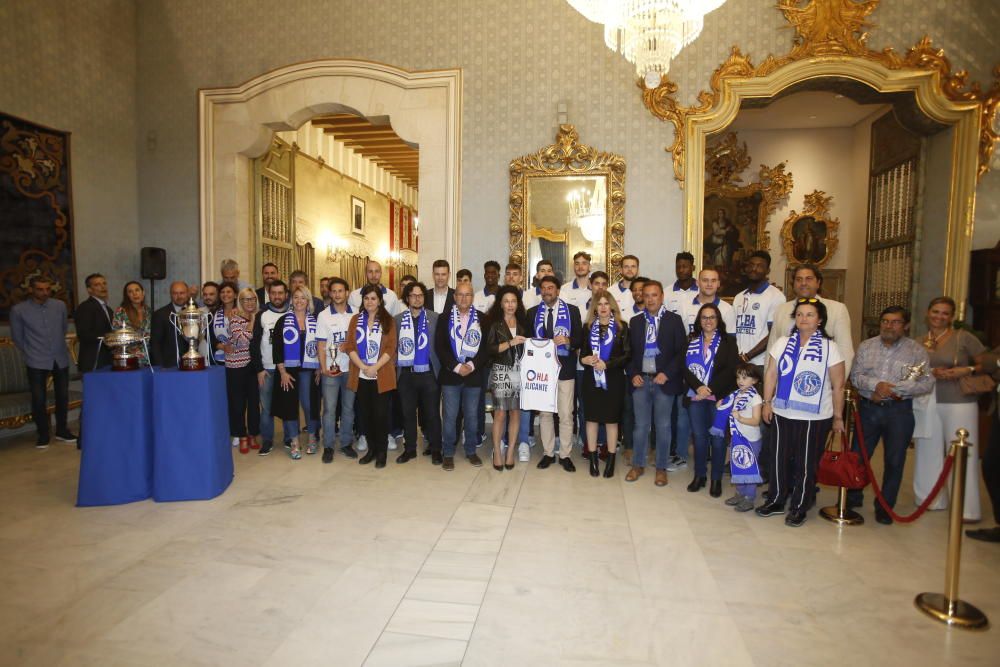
(609, 466)
(696, 484)
(595, 471)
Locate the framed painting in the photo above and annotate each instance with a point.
(810, 237)
(358, 216)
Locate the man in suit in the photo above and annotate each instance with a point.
(557, 320)
(659, 342)
(93, 320)
(269, 274)
(442, 297)
(167, 345)
(417, 369)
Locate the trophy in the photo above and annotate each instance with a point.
(908, 372)
(122, 342)
(191, 323)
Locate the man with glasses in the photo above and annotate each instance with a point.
(417, 369)
(889, 371)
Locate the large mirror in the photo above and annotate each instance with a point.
(566, 198)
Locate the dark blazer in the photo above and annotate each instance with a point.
(671, 339)
(723, 381)
(448, 376)
(567, 365)
(498, 333)
(449, 300)
(621, 350)
(261, 298)
(93, 320)
(162, 347)
(432, 320)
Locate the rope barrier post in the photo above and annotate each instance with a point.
(947, 607)
(840, 513)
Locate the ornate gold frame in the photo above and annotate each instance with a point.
(568, 157)
(816, 206)
(830, 43)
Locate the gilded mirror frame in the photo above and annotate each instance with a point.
(830, 44)
(568, 157)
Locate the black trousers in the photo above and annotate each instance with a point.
(991, 466)
(374, 415)
(243, 395)
(798, 444)
(37, 379)
(420, 392)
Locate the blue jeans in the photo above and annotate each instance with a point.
(652, 407)
(453, 398)
(524, 427)
(303, 382)
(334, 388)
(702, 414)
(266, 421)
(893, 423)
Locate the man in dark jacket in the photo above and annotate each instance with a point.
(659, 340)
(93, 320)
(417, 370)
(167, 344)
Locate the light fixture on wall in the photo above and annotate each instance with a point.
(649, 33)
(339, 248)
(587, 212)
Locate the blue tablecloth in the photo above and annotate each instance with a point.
(193, 459)
(116, 463)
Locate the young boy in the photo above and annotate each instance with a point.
(740, 414)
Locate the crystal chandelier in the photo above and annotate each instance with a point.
(587, 212)
(649, 33)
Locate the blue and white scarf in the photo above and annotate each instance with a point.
(414, 347)
(652, 328)
(290, 337)
(743, 457)
(801, 378)
(369, 343)
(220, 327)
(699, 362)
(561, 324)
(602, 348)
(464, 344)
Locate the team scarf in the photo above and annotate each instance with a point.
(561, 324)
(414, 350)
(699, 361)
(602, 348)
(464, 345)
(652, 327)
(742, 458)
(368, 342)
(801, 377)
(290, 336)
(220, 327)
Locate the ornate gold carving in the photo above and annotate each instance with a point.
(568, 157)
(814, 239)
(829, 28)
(725, 160)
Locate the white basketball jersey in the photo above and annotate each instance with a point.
(539, 375)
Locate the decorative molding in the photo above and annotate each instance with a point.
(817, 207)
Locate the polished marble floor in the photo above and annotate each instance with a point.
(301, 563)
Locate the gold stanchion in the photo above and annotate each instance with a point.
(840, 513)
(946, 607)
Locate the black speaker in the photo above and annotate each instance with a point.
(154, 263)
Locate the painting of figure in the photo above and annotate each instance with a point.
(730, 231)
(809, 240)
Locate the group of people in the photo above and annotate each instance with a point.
(632, 364)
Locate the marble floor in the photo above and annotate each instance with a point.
(301, 563)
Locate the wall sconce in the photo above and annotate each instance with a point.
(338, 248)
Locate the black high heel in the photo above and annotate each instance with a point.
(496, 467)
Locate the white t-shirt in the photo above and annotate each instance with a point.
(482, 301)
(392, 302)
(331, 327)
(751, 433)
(754, 315)
(268, 319)
(578, 296)
(689, 311)
(539, 375)
(623, 297)
(675, 297)
(826, 398)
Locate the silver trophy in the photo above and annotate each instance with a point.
(192, 324)
(122, 342)
(908, 372)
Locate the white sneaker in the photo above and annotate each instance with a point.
(482, 440)
(523, 452)
(391, 443)
(362, 444)
(236, 442)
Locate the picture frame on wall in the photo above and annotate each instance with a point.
(358, 216)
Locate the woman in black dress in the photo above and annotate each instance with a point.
(604, 353)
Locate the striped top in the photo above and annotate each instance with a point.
(240, 333)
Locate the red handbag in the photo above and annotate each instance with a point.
(841, 468)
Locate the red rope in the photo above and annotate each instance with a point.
(878, 491)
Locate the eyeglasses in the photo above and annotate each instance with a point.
(248, 299)
(804, 300)
(708, 318)
(892, 323)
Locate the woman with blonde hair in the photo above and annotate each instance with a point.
(242, 390)
(294, 348)
(134, 313)
(604, 353)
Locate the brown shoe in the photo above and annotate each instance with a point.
(661, 477)
(634, 474)
(448, 464)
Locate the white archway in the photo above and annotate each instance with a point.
(236, 125)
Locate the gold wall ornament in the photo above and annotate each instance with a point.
(810, 237)
(567, 157)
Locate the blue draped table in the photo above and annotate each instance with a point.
(193, 458)
(116, 460)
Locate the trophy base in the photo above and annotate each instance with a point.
(126, 364)
(192, 363)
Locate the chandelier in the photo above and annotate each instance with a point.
(587, 211)
(649, 33)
